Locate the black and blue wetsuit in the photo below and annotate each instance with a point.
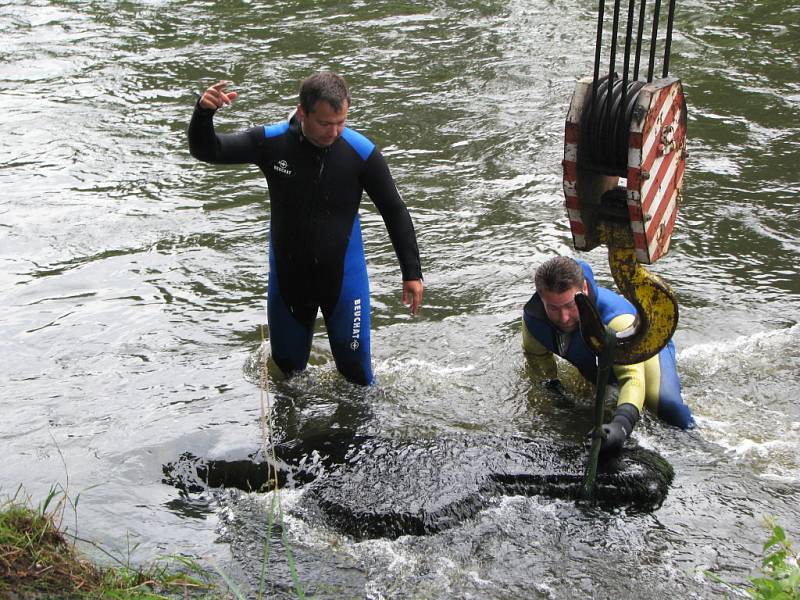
(316, 255)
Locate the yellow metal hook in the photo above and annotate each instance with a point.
(656, 306)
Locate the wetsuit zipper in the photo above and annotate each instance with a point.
(317, 198)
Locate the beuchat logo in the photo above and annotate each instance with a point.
(282, 167)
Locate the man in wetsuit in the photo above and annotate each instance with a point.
(551, 326)
(316, 170)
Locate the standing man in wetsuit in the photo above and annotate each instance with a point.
(316, 170)
(551, 326)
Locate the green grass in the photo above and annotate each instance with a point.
(38, 561)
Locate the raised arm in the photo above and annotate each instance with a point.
(216, 97)
(207, 145)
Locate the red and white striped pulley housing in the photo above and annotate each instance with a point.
(653, 182)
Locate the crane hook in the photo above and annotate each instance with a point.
(656, 311)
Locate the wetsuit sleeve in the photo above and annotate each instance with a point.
(630, 377)
(540, 360)
(380, 187)
(236, 148)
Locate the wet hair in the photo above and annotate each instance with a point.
(558, 274)
(326, 86)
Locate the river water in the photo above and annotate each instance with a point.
(133, 282)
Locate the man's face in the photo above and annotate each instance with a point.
(561, 308)
(323, 125)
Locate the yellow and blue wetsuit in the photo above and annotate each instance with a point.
(653, 383)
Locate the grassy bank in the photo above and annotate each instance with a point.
(39, 560)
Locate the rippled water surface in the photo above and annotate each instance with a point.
(133, 281)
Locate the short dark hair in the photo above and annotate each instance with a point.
(558, 274)
(326, 86)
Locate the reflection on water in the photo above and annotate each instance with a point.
(134, 278)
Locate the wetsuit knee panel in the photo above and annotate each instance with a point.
(671, 407)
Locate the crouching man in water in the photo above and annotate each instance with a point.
(551, 326)
(316, 170)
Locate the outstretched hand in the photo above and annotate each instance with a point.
(216, 97)
(413, 290)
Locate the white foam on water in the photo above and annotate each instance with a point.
(740, 346)
(406, 365)
(743, 394)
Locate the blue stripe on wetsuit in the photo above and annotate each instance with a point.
(671, 407)
(276, 130)
(348, 324)
(360, 143)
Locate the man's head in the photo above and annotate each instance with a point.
(324, 102)
(557, 281)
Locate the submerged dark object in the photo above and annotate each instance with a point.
(387, 488)
(375, 487)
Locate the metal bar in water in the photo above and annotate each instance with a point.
(604, 363)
